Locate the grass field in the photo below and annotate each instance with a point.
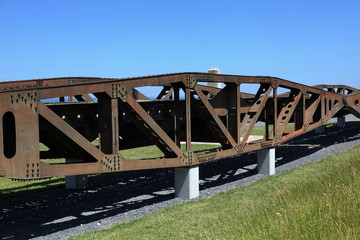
(317, 201)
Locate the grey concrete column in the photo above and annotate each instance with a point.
(266, 161)
(214, 71)
(77, 181)
(340, 122)
(320, 129)
(187, 182)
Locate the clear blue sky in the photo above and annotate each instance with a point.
(305, 41)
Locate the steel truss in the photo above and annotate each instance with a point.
(119, 116)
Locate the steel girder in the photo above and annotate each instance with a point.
(94, 118)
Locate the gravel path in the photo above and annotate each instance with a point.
(62, 213)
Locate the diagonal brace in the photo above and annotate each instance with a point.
(253, 114)
(216, 118)
(69, 131)
(152, 124)
(309, 112)
(287, 111)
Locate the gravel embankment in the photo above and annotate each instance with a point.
(61, 213)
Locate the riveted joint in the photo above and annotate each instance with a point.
(119, 91)
(306, 127)
(238, 81)
(29, 99)
(275, 83)
(191, 81)
(188, 158)
(304, 90)
(277, 138)
(111, 162)
(32, 170)
(213, 92)
(239, 147)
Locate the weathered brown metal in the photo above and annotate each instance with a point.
(119, 116)
(215, 124)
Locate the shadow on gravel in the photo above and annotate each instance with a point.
(55, 210)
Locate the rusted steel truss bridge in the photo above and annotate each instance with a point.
(116, 115)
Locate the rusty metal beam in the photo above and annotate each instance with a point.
(70, 132)
(286, 113)
(122, 117)
(252, 115)
(145, 121)
(216, 124)
(108, 123)
(188, 118)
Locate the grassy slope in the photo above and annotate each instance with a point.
(317, 201)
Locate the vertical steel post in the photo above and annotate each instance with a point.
(238, 113)
(188, 118)
(275, 97)
(323, 108)
(176, 117)
(187, 178)
(108, 124)
(300, 113)
(266, 113)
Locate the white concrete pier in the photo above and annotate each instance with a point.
(266, 161)
(76, 181)
(187, 182)
(320, 130)
(340, 122)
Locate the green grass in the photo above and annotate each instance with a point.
(10, 188)
(154, 152)
(260, 130)
(317, 201)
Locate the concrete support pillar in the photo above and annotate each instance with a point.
(266, 161)
(320, 129)
(187, 182)
(77, 181)
(214, 71)
(340, 122)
